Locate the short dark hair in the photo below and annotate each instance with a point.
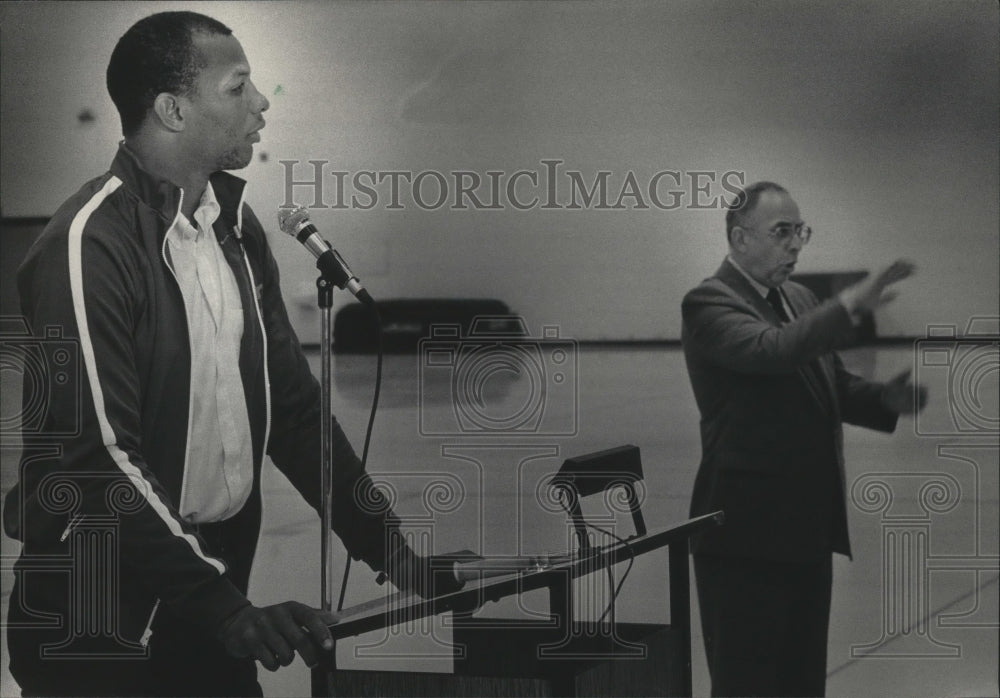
(745, 202)
(157, 54)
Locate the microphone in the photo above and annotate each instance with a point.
(295, 222)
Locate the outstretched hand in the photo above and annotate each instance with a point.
(272, 634)
(902, 396)
(872, 292)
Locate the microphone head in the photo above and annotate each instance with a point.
(291, 220)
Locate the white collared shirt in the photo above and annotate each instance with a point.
(761, 288)
(844, 297)
(218, 468)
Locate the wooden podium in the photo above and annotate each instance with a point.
(556, 656)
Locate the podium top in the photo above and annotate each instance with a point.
(394, 608)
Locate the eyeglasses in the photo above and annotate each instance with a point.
(784, 232)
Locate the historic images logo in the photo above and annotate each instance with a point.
(34, 426)
(953, 499)
(548, 187)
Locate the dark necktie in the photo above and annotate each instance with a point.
(812, 370)
(774, 298)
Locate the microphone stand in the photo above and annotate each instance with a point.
(321, 673)
(332, 276)
(325, 299)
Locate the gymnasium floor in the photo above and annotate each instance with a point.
(930, 628)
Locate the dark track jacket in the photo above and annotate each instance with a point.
(112, 448)
(772, 399)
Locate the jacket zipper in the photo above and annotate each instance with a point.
(69, 527)
(187, 320)
(263, 333)
(148, 631)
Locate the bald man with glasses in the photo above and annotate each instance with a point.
(772, 393)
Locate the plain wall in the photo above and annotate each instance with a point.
(881, 119)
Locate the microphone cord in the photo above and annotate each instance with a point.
(368, 432)
(610, 571)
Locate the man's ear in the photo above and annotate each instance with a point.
(170, 111)
(738, 238)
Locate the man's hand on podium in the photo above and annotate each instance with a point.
(273, 634)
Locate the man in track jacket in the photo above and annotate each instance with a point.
(188, 373)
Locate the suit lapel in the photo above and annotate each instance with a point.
(731, 277)
(816, 375)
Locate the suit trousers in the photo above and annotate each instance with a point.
(765, 624)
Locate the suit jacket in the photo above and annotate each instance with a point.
(772, 399)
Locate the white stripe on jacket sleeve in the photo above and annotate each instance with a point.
(120, 458)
